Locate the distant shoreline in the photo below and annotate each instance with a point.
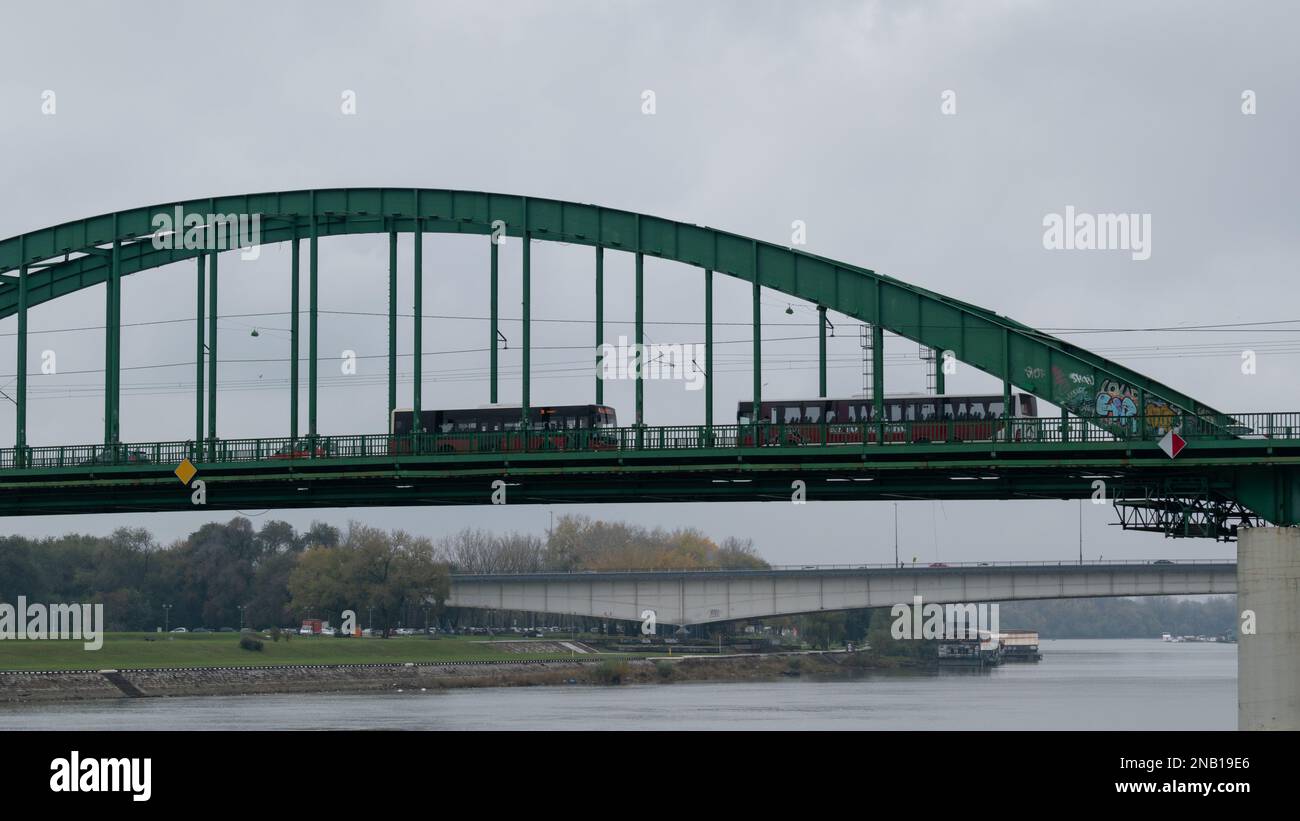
(52, 687)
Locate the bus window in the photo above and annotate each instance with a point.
(812, 414)
(894, 411)
(401, 422)
(976, 409)
(793, 414)
(995, 409)
(1028, 407)
(927, 411)
(909, 411)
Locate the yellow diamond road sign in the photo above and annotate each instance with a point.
(185, 471)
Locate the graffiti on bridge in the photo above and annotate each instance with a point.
(1119, 403)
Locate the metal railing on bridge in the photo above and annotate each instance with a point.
(700, 438)
(813, 568)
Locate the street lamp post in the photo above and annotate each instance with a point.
(167, 618)
(1080, 532)
(897, 563)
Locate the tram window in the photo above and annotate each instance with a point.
(830, 414)
(909, 411)
(793, 414)
(812, 414)
(977, 410)
(894, 412)
(996, 408)
(1028, 405)
(927, 410)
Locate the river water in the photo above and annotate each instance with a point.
(1079, 685)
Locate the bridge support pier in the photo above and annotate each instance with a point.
(1268, 661)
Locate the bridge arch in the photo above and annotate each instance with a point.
(76, 255)
(42, 265)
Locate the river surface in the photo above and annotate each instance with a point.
(1079, 685)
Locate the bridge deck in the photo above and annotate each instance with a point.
(670, 464)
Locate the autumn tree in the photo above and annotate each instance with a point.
(370, 568)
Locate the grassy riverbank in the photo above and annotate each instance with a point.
(126, 651)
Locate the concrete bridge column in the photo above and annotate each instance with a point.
(1268, 662)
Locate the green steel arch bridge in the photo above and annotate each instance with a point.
(1236, 469)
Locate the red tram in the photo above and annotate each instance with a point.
(907, 417)
(496, 428)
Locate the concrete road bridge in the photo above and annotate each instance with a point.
(692, 597)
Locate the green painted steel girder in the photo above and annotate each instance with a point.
(212, 354)
(543, 480)
(600, 324)
(200, 312)
(69, 257)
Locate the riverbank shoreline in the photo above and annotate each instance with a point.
(52, 687)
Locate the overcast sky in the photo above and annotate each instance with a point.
(765, 113)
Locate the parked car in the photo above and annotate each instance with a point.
(299, 450)
(179, 630)
(938, 564)
(200, 630)
(121, 457)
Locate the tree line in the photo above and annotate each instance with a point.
(232, 574)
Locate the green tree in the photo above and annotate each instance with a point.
(392, 572)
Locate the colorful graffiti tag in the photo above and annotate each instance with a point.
(1072, 391)
(1160, 416)
(1117, 402)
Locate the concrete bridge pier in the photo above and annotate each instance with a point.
(1268, 662)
